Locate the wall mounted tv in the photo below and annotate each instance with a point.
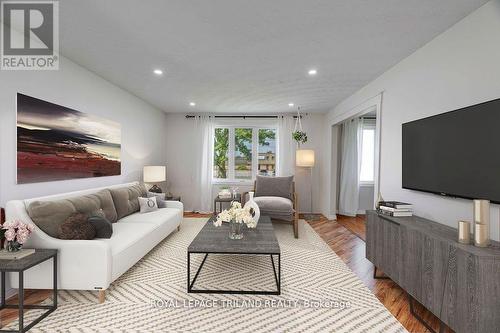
(455, 153)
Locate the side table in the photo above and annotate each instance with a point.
(19, 266)
(222, 200)
(173, 198)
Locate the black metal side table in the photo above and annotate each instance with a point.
(19, 266)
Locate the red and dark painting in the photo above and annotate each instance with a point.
(58, 143)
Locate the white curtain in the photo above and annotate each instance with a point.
(286, 146)
(350, 166)
(203, 152)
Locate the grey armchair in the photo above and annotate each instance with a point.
(277, 199)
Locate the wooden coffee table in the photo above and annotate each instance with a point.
(215, 241)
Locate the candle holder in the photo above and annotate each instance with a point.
(481, 223)
(481, 237)
(464, 232)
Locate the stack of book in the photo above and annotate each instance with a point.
(395, 208)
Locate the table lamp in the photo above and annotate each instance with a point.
(155, 174)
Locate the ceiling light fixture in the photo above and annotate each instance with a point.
(192, 103)
(312, 72)
(158, 71)
(291, 105)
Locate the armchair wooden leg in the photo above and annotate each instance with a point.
(102, 296)
(296, 227)
(296, 216)
(179, 227)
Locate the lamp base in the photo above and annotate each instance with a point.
(155, 189)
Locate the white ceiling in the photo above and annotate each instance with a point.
(235, 56)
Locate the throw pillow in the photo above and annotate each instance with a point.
(76, 226)
(157, 195)
(148, 204)
(161, 203)
(102, 226)
(274, 187)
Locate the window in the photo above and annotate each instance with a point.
(240, 153)
(267, 152)
(221, 150)
(243, 153)
(367, 174)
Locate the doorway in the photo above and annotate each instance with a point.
(355, 162)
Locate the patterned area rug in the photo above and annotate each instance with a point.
(319, 293)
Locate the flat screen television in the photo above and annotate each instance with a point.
(455, 153)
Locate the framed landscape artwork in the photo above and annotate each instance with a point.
(58, 143)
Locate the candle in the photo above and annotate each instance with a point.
(464, 232)
(481, 237)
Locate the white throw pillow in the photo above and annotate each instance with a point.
(148, 204)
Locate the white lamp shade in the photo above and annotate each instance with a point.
(304, 158)
(154, 173)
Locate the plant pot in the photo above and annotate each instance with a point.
(13, 246)
(235, 230)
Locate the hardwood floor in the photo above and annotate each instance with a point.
(344, 236)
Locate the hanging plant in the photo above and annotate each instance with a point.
(300, 137)
(298, 134)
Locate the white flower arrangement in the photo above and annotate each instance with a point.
(236, 213)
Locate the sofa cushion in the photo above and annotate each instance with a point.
(126, 199)
(157, 217)
(274, 186)
(93, 202)
(49, 215)
(126, 235)
(76, 226)
(275, 205)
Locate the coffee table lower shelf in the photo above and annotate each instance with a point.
(190, 284)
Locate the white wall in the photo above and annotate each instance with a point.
(143, 126)
(180, 161)
(456, 69)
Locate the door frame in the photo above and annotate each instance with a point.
(372, 104)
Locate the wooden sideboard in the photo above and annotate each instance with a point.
(458, 283)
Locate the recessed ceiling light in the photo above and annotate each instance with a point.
(291, 104)
(158, 71)
(312, 72)
(192, 103)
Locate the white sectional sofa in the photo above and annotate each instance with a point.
(95, 264)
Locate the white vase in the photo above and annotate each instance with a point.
(254, 207)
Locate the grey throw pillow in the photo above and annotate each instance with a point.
(148, 204)
(161, 203)
(274, 187)
(103, 227)
(157, 195)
